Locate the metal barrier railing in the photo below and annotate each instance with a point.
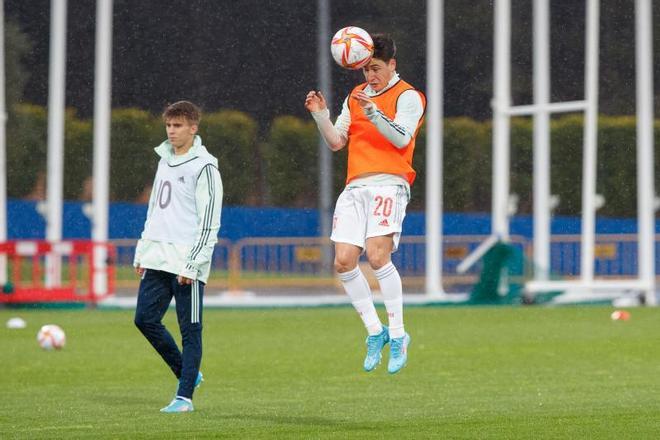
(281, 262)
(298, 262)
(616, 255)
(127, 280)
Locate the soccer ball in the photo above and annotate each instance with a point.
(620, 315)
(51, 337)
(352, 47)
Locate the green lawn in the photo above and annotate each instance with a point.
(473, 373)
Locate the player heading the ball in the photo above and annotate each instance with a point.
(379, 122)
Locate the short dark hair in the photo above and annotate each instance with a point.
(183, 109)
(384, 47)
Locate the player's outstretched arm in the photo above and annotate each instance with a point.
(316, 104)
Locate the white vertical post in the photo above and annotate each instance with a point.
(590, 143)
(56, 102)
(541, 140)
(324, 76)
(645, 164)
(434, 130)
(501, 119)
(3, 148)
(102, 109)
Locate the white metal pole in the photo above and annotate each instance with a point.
(324, 75)
(102, 109)
(501, 120)
(645, 167)
(56, 102)
(590, 143)
(552, 107)
(541, 140)
(434, 130)
(3, 148)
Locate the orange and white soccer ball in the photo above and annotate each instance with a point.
(51, 337)
(620, 315)
(352, 47)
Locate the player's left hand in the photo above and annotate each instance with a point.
(363, 99)
(183, 280)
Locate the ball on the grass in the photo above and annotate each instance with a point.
(16, 323)
(51, 337)
(620, 315)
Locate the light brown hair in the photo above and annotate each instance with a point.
(183, 109)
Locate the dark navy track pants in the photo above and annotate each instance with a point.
(156, 291)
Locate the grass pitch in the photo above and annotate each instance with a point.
(286, 373)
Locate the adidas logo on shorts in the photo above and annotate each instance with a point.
(384, 222)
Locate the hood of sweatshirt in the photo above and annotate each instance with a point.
(166, 151)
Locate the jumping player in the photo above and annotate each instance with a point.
(379, 122)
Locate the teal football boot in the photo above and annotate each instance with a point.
(178, 406)
(398, 353)
(375, 344)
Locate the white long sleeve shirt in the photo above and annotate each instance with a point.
(183, 218)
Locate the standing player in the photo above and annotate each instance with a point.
(379, 122)
(173, 257)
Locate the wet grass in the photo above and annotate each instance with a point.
(287, 373)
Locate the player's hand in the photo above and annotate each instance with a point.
(183, 280)
(140, 271)
(363, 99)
(315, 101)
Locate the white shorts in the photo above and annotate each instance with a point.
(369, 211)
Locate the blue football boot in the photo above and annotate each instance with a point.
(178, 405)
(398, 353)
(375, 344)
(199, 380)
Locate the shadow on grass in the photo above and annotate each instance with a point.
(344, 423)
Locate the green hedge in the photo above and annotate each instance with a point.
(291, 161)
(231, 136)
(27, 128)
(133, 135)
(282, 170)
(78, 156)
(466, 166)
